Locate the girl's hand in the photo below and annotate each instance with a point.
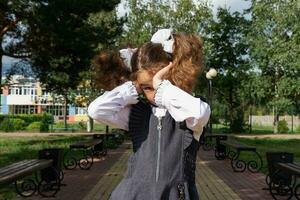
(137, 87)
(158, 77)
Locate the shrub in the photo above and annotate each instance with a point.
(282, 126)
(298, 128)
(82, 125)
(38, 126)
(12, 124)
(28, 118)
(34, 126)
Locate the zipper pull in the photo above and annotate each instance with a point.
(181, 191)
(159, 126)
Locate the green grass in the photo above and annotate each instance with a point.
(256, 129)
(19, 148)
(81, 126)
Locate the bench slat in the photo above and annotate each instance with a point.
(12, 168)
(239, 146)
(86, 144)
(36, 165)
(15, 166)
(292, 168)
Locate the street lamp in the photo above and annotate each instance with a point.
(212, 73)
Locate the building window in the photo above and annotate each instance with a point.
(56, 110)
(24, 109)
(80, 111)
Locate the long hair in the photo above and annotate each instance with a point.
(109, 70)
(187, 57)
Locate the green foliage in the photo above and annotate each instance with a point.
(146, 17)
(34, 126)
(82, 125)
(12, 124)
(283, 126)
(227, 52)
(20, 122)
(38, 126)
(28, 118)
(63, 37)
(76, 125)
(298, 128)
(273, 39)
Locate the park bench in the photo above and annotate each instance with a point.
(64, 129)
(47, 179)
(233, 152)
(220, 151)
(283, 174)
(88, 150)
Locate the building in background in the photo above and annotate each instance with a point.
(25, 95)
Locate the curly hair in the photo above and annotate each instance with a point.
(187, 57)
(109, 70)
(187, 60)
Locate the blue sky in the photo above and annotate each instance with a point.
(234, 5)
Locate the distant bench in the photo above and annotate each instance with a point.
(89, 149)
(220, 151)
(64, 129)
(233, 152)
(50, 175)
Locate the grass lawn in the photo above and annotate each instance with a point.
(81, 126)
(256, 129)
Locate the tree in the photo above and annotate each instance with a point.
(227, 52)
(13, 13)
(63, 36)
(275, 48)
(146, 17)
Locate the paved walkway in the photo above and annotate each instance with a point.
(215, 179)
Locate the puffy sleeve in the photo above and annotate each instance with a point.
(113, 107)
(183, 106)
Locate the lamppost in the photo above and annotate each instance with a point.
(212, 73)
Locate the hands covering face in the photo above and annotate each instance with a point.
(157, 79)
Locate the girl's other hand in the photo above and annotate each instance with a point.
(158, 77)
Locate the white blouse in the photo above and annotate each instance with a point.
(113, 107)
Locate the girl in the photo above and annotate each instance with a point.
(165, 125)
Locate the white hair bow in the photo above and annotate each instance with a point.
(165, 38)
(126, 55)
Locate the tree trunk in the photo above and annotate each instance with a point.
(292, 123)
(276, 120)
(1, 56)
(90, 125)
(250, 120)
(65, 112)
